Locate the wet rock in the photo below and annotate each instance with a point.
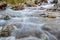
(54, 1)
(43, 15)
(48, 15)
(18, 7)
(51, 16)
(3, 5)
(38, 1)
(46, 1)
(51, 10)
(47, 29)
(4, 33)
(6, 17)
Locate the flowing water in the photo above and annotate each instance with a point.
(29, 24)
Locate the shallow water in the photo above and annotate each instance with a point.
(29, 21)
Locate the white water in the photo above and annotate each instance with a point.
(27, 21)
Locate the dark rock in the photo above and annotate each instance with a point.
(46, 29)
(43, 15)
(45, 1)
(51, 16)
(55, 1)
(38, 1)
(6, 17)
(3, 5)
(5, 33)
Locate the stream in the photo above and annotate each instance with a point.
(30, 25)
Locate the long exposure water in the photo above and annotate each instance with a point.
(29, 23)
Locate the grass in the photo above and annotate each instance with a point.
(13, 2)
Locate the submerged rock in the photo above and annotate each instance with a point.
(52, 32)
(27, 34)
(28, 29)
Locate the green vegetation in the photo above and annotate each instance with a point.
(14, 1)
